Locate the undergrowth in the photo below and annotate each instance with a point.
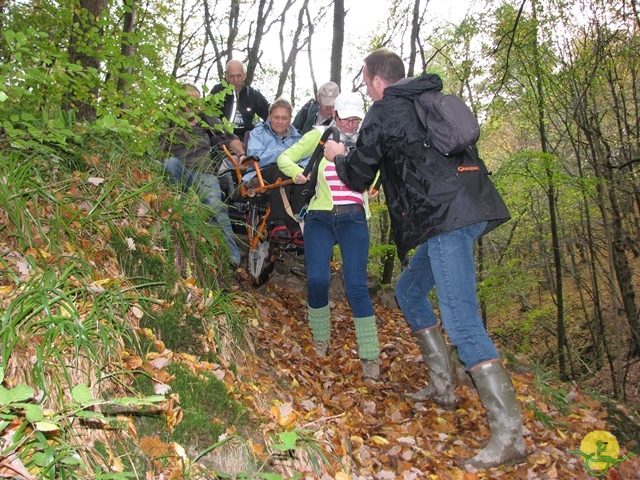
(95, 251)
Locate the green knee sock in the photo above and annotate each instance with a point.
(320, 323)
(367, 338)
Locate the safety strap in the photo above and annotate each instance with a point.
(287, 206)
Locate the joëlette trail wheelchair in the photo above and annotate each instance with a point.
(249, 209)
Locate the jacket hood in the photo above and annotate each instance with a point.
(410, 87)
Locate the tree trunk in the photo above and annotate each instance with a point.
(309, 54)
(234, 15)
(289, 62)
(338, 41)
(219, 54)
(86, 15)
(253, 53)
(127, 49)
(388, 259)
(415, 33)
(551, 199)
(3, 45)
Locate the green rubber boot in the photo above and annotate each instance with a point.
(320, 324)
(506, 445)
(435, 354)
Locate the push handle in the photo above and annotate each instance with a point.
(318, 153)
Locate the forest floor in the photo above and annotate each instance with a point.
(368, 430)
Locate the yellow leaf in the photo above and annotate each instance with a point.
(258, 448)
(380, 440)
(275, 412)
(343, 476)
(116, 465)
(180, 452)
(287, 419)
(154, 447)
(45, 426)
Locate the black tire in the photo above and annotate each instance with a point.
(268, 266)
(261, 262)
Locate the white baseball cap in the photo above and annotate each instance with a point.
(349, 104)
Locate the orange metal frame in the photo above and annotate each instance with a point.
(254, 237)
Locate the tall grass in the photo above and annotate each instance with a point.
(86, 239)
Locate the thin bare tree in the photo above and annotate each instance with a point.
(288, 60)
(338, 41)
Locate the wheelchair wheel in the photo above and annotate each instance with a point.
(262, 261)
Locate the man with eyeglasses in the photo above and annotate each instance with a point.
(244, 103)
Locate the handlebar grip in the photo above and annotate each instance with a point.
(376, 186)
(318, 152)
(249, 159)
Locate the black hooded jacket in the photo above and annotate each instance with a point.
(427, 193)
(250, 102)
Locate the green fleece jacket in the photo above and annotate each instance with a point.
(303, 148)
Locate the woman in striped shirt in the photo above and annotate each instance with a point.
(336, 215)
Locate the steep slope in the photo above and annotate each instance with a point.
(369, 431)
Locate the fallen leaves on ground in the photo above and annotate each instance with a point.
(368, 430)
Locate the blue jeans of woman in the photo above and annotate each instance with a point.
(446, 262)
(322, 230)
(208, 187)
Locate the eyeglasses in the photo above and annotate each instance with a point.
(350, 120)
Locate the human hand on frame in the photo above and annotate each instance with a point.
(333, 148)
(300, 179)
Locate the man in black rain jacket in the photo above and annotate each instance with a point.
(439, 205)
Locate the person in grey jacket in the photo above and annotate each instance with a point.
(439, 206)
(189, 163)
(318, 112)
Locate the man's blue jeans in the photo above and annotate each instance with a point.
(208, 188)
(446, 262)
(322, 230)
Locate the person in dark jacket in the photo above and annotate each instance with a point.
(439, 206)
(318, 112)
(243, 104)
(190, 163)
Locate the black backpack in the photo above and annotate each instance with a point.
(450, 123)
